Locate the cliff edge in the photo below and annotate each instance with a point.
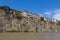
(23, 21)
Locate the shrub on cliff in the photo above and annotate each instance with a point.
(58, 23)
(18, 15)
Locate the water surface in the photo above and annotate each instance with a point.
(30, 36)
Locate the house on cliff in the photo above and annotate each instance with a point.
(30, 14)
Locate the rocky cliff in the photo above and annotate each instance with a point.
(23, 21)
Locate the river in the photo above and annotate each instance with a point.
(30, 36)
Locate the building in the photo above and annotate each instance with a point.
(30, 14)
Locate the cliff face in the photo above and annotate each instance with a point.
(23, 21)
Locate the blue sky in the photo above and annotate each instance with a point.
(48, 8)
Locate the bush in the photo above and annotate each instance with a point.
(42, 19)
(19, 16)
(58, 23)
(13, 31)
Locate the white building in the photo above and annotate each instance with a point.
(29, 14)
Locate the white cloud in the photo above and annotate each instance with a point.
(48, 12)
(56, 14)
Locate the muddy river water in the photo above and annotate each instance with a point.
(30, 36)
